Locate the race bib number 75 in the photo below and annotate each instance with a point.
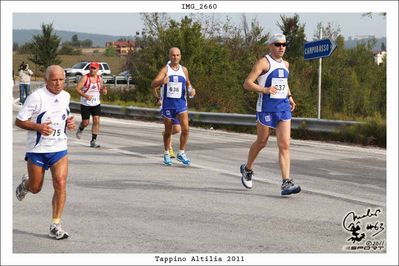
(57, 134)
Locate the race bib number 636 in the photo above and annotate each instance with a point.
(174, 90)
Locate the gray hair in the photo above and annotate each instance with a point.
(51, 68)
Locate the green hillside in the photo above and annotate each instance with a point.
(99, 40)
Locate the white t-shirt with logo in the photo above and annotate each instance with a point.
(43, 106)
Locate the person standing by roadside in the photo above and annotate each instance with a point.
(90, 88)
(45, 115)
(25, 75)
(273, 110)
(175, 84)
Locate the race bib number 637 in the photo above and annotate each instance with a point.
(282, 88)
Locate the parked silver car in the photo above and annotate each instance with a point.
(122, 78)
(82, 68)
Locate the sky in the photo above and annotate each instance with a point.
(126, 24)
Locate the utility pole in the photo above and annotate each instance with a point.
(319, 100)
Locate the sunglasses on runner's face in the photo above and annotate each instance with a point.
(280, 44)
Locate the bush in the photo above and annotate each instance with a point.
(373, 132)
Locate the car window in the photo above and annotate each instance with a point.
(87, 67)
(79, 65)
(106, 67)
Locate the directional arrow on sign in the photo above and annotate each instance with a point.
(318, 49)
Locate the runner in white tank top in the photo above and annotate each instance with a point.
(158, 92)
(274, 107)
(174, 79)
(90, 88)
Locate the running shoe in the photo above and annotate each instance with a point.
(288, 187)
(182, 157)
(21, 191)
(172, 153)
(79, 133)
(246, 177)
(57, 232)
(167, 160)
(93, 144)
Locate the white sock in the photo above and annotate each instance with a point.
(166, 152)
(181, 151)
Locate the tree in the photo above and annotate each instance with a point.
(330, 31)
(75, 41)
(45, 48)
(68, 49)
(86, 43)
(295, 34)
(110, 51)
(216, 54)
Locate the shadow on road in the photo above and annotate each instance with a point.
(17, 231)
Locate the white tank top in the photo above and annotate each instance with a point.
(277, 76)
(93, 89)
(174, 92)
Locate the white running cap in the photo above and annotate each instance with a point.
(278, 37)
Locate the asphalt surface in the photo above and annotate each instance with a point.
(122, 199)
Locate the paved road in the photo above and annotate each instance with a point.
(122, 199)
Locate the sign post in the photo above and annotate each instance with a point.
(319, 49)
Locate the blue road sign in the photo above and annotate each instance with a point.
(318, 49)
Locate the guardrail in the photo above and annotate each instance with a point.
(128, 80)
(312, 124)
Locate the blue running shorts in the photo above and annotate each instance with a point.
(172, 113)
(271, 119)
(45, 160)
(175, 121)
